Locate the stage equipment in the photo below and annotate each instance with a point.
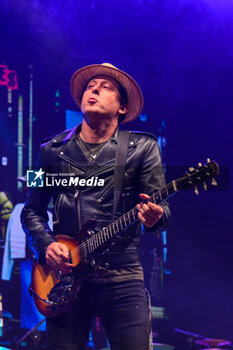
(30, 67)
(213, 344)
(33, 334)
(160, 346)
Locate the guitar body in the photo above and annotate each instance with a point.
(45, 278)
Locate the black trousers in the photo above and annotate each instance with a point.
(123, 307)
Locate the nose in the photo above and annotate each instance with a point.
(96, 89)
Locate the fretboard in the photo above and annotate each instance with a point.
(122, 223)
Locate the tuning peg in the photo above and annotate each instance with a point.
(204, 186)
(208, 160)
(214, 182)
(191, 169)
(199, 164)
(196, 190)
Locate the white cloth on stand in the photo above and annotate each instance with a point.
(15, 243)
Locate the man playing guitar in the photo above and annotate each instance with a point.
(115, 289)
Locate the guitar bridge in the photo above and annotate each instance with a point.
(61, 293)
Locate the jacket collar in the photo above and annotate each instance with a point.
(70, 151)
(72, 134)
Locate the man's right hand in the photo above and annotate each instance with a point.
(57, 256)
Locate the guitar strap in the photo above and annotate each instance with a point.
(120, 161)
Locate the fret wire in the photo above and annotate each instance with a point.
(97, 240)
(121, 223)
(103, 235)
(115, 227)
(110, 230)
(160, 195)
(154, 198)
(90, 245)
(106, 233)
(133, 216)
(118, 224)
(94, 242)
(130, 217)
(87, 246)
(101, 238)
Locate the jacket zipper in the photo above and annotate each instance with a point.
(56, 209)
(77, 200)
(99, 171)
(106, 192)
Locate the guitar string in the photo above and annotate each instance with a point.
(91, 240)
(118, 221)
(134, 210)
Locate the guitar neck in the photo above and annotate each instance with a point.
(123, 222)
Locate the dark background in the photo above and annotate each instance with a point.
(180, 53)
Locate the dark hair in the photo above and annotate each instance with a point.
(123, 93)
(123, 101)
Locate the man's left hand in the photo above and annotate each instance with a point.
(148, 213)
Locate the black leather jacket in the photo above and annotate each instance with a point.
(74, 206)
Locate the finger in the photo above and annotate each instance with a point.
(144, 196)
(141, 218)
(148, 211)
(140, 208)
(64, 250)
(64, 257)
(148, 214)
(145, 221)
(156, 208)
(61, 251)
(52, 258)
(151, 204)
(151, 207)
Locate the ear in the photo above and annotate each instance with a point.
(123, 109)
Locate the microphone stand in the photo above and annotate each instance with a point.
(34, 335)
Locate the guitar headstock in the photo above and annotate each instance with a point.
(198, 176)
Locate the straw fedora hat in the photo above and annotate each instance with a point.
(82, 76)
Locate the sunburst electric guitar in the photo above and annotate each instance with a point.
(54, 292)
